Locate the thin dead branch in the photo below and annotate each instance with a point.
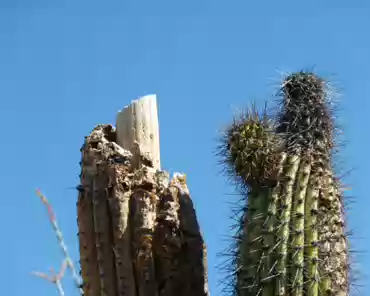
(54, 278)
(67, 259)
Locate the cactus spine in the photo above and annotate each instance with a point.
(291, 239)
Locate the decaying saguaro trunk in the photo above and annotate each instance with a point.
(138, 231)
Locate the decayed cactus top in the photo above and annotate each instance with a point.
(138, 230)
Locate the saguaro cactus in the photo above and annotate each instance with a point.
(291, 237)
(138, 231)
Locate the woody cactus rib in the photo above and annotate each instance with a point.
(138, 231)
(292, 234)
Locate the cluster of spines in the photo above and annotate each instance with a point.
(281, 168)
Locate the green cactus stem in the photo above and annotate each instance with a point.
(252, 157)
(306, 121)
(291, 239)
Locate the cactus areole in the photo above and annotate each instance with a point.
(291, 237)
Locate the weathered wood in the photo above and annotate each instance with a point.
(193, 262)
(139, 234)
(88, 255)
(103, 236)
(143, 221)
(138, 131)
(99, 154)
(168, 243)
(120, 184)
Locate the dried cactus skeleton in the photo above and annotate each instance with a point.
(291, 236)
(138, 231)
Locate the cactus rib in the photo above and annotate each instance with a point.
(284, 223)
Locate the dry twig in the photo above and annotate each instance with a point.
(54, 278)
(67, 259)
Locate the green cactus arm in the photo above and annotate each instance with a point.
(293, 240)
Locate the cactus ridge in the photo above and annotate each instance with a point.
(290, 238)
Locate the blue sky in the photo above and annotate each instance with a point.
(66, 66)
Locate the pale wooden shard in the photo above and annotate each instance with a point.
(138, 131)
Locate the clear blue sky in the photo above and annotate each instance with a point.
(66, 66)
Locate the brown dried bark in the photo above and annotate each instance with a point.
(138, 231)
